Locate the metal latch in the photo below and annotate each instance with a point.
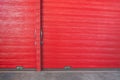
(19, 68)
(67, 67)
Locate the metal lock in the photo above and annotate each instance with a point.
(67, 67)
(19, 68)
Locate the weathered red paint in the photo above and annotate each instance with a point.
(77, 33)
(81, 33)
(19, 33)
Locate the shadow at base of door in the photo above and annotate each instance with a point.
(84, 69)
(13, 69)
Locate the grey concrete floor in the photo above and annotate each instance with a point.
(60, 75)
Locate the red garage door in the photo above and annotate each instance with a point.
(81, 33)
(19, 22)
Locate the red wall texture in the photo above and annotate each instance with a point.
(81, 33)
(77, 33)
(19, 28)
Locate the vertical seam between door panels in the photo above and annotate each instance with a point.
(41, 32)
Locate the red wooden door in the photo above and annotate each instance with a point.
(81, 33)
(19, 22)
